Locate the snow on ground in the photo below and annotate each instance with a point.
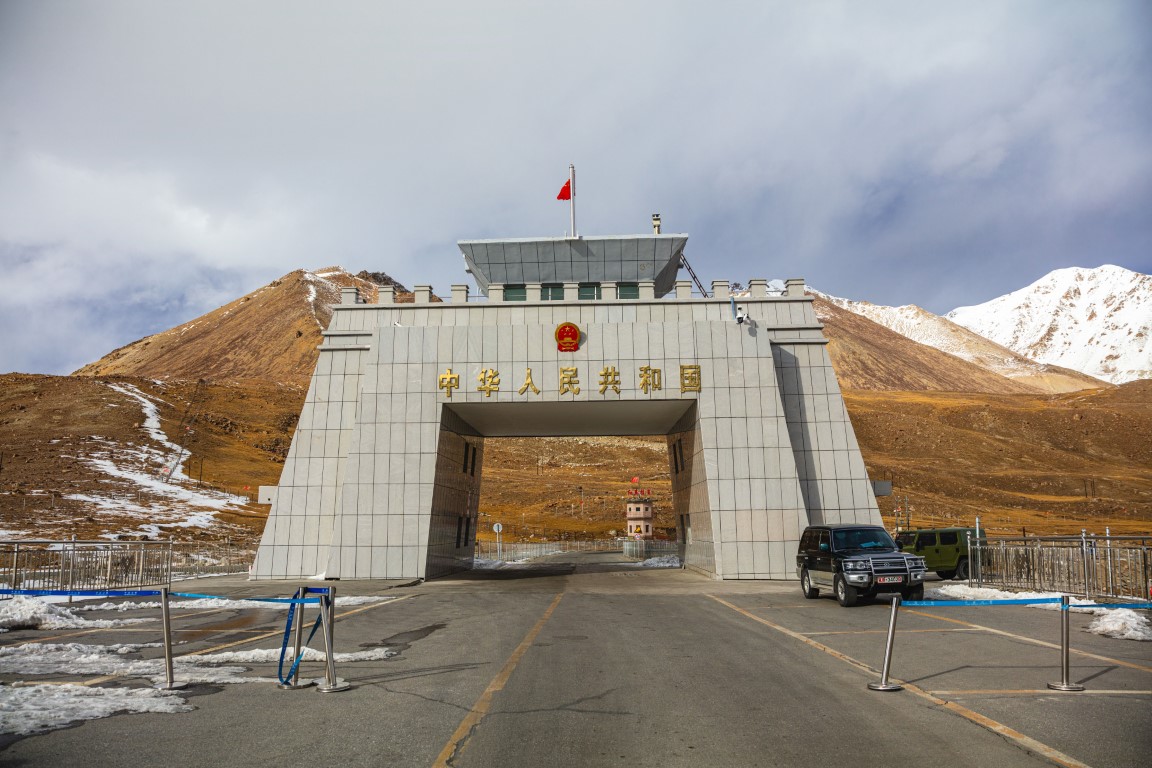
(220, 602)
(27, 709)
(1120, 623)
(29, 613)
(664, 561)
(172, 504)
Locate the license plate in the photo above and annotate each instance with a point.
(889, 579)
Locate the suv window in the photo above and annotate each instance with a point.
(824, 541)
(862, 538)
(926, 540)
(949, 538)
(808, 540)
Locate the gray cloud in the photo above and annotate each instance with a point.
(157, 160)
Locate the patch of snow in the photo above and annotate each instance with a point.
(272, 656)
(86, 660)
(214, 603)
(1121, 623)
(27, 709)
(663, 561)
(23, 612)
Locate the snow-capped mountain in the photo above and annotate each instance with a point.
(923, 327)
(1097, 321)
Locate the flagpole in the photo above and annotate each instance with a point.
(572, 195)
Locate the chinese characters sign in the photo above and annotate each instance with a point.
(646, 379)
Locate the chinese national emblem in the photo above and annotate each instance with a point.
(567, 337)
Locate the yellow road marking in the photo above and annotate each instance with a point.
(884, 632)
(463, 732)
(1035, 691)
(1025, 741)
(1031, 640)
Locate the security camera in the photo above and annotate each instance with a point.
(741, 315)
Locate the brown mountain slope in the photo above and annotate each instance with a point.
(77, 457)
(942, 334)
(1047, 462)
(270, 334)
(868, 356)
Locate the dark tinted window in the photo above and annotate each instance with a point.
(949, 537)
(808, 540)
(862, 538)
(515, 293)
(824, 539)
(926, 540)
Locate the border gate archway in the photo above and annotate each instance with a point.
(575, 337)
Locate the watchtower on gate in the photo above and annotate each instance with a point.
(639, 517)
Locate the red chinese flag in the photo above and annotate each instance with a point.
(565, 191)
(636, 479)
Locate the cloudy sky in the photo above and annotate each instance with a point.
(158, 159)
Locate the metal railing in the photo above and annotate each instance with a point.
(528, 550)
(1089, 565)
(645, 549)
(68, 565)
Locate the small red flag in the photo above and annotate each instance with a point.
(565, 191)
(636, 479)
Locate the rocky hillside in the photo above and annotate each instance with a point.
(942, 334)
(270, 334)
(1097, 321)
(868, 356)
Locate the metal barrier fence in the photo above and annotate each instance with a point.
(1088, 565)
(642, 550)
(69, 565)
(527, 550)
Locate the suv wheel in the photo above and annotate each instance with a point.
(962, 570)
(806, 587)
(846, 594)
(914, 593)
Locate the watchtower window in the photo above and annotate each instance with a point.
(588, 292)
(628, 290)
(515, 293)
(552, 292)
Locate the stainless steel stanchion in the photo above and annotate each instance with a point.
(884, 685)
(1065, 684)
(331, 684)
(294, 683)
(169, 684)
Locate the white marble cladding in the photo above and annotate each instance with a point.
(377, 484)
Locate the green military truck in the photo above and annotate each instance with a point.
(945, 550)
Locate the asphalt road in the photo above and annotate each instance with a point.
(597, 662)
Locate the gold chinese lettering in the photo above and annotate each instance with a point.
(569, 382)
(449, 381)
(650, 379)
(489, 379)
(528, 383)
(689, 378)
(609, 377)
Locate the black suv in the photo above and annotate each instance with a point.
(856, 561)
